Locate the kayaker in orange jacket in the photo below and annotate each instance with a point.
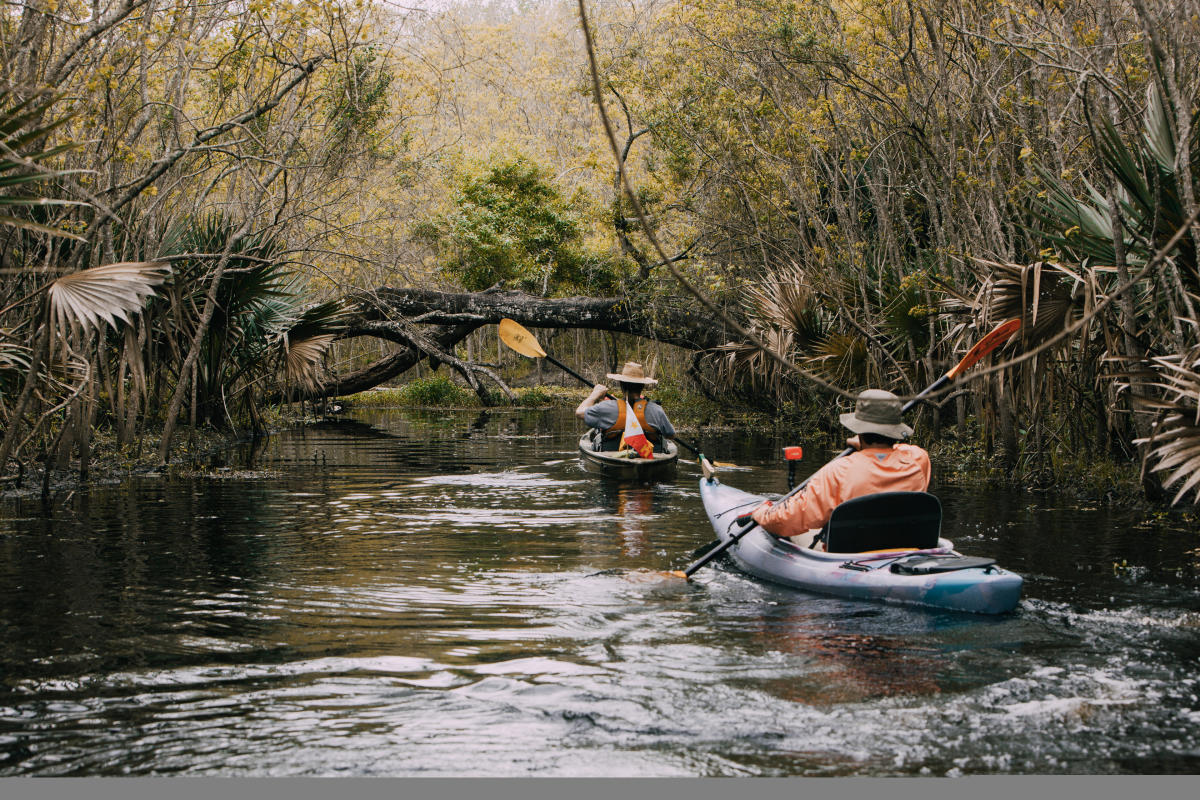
(882, 463)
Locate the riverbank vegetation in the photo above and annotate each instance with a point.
(211, 209)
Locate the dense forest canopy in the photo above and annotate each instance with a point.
(862, 187)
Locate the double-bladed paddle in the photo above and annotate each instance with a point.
(518, 338)
(998, 336)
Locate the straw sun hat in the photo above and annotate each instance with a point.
(632, 372)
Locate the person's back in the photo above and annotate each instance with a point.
(881, 463)
(609, 416)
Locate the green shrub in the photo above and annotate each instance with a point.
(535, 396)
(436, 390)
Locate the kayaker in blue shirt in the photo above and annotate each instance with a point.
(608, 416)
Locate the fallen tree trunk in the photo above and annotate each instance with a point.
(679, 326)
(381, 371)
(393, 314)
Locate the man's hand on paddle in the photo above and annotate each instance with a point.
(597, 392)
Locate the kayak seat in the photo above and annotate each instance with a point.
(884, 521)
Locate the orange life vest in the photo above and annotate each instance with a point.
(639, 410)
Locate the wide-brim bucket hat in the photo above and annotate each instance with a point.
(877, 411)
(632, 372)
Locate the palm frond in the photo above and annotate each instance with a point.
(22, 153)
(102, 295)
(844, 359)
(1148, 196)
(1160, 141)
(785, 301)
(1047, 298)
(1174, 442)
(904, 315)
(330, 317)
(14, 361)
(304, 361)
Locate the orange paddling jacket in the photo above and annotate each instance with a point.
(902, 468)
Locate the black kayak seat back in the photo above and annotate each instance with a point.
(885, 520)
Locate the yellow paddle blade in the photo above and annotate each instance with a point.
(519, 339)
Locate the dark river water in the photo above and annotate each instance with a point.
(442, 593)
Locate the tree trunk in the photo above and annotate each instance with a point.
(678, 326)
(388, 314)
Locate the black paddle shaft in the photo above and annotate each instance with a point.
(567, 370)
(749, 522)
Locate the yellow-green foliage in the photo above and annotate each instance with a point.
(436, 390)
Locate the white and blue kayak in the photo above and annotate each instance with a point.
(901, 566)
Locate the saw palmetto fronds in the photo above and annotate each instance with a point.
(101, 295)
(742, 363)
(1046, 297)
(785, 316)
(13, 355)
(1147, 192)
(1174, 443)
(23, 158)
(785, 301)
(14, 362)
(844, 359)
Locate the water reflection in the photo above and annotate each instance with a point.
(847, 666)
(634, 506)
(433, 593)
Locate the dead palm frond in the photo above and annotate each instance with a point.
(1174, 442)
(1047, 298)
(742, 363)
(307, 339)
(303, 365)
(101, 295)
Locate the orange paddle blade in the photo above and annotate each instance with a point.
(1001, 334)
